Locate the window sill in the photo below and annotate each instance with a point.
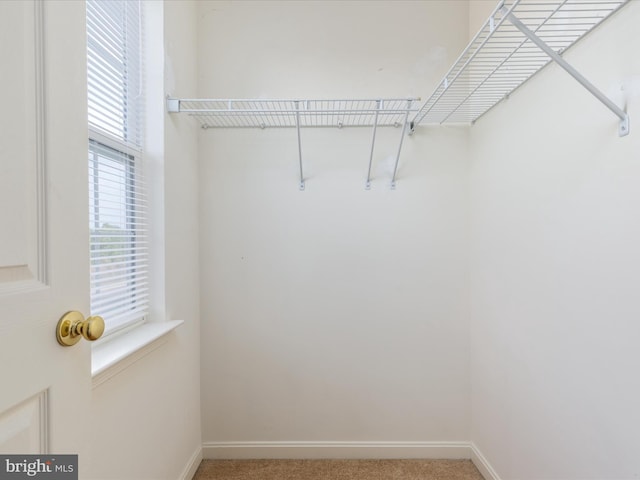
(114, 356)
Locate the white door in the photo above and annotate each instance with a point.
(44, 388)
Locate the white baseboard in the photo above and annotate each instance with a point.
(192, 465)
(482, 464)
(356, 450)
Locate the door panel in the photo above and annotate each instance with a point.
(45, 393)
(21, 147)
(24, 428)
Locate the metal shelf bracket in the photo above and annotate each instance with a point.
(373, 142)
(299, 144)
(404, 131)
(623, 127)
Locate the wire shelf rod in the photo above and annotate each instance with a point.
(229, 102)
(291, 112)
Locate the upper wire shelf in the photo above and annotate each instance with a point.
(259, 113)
(518, 39)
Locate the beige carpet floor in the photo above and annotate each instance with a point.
(337, 470)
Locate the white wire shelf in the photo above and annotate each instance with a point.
(298, 114)
(259, 113)
(517, 40)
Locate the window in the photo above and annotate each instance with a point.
(117, 191)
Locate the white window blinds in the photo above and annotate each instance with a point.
(117, 194)
(114, 68)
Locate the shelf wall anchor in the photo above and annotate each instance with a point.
(623, 127)
(173, 105)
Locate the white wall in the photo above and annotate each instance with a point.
(148, 417)
(334, 314)
(555, 262)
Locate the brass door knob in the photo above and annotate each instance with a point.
(72, 327)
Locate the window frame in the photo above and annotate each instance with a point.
(132, 173)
